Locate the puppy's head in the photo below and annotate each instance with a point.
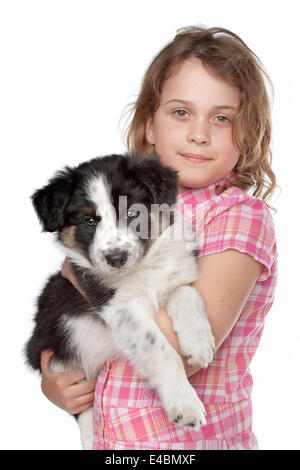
(106, 211)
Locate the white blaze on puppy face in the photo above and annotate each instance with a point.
(99, 193)
(109, 235)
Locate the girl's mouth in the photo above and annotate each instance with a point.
(192, 158)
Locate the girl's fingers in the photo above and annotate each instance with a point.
(85, 399)
(82, 403)
(71, 377)
(83, 388)
(46, 356)
(82, 408)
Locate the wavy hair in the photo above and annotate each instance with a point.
(227, 56)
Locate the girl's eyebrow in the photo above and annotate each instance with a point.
(189, 103)
(226, 106)
(178, 101)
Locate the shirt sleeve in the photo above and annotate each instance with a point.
(246, 226)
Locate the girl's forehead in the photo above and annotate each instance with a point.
(191, 80)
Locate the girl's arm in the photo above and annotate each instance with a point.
(225, 281)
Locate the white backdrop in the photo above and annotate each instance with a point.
(68, 69)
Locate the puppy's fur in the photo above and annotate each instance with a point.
(126, 276)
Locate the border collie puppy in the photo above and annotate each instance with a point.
(104, 212)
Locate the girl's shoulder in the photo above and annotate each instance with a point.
(206, 204)
(232, 219)
(236, 196)
(237, 220)
(235, 203)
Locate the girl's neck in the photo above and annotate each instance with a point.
(230, 177)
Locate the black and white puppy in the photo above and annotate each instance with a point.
(104, 212)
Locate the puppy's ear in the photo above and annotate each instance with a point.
(50, 201)
(160, 181)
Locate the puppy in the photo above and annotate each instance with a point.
(108, 219)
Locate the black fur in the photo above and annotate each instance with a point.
(59, 297)
(141, 180)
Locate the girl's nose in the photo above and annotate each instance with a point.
(198, 133)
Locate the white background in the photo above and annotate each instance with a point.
(68, 69)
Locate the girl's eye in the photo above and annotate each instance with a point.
(131, 214)
(90, 222)
(222, 118)
(181, 113)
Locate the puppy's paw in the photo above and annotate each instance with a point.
(195, 336)
(196, 341)
(185, 409)
(200, 349)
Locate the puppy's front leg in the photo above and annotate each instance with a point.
(187, 311)
(137, 336)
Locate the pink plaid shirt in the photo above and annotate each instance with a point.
(127, 412)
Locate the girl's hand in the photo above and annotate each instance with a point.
(63, 388)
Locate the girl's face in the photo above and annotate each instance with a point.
(192, 128)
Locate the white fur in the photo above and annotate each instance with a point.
(85, 422)
(93, 342)
(110, 236)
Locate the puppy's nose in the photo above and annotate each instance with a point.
(116, 258)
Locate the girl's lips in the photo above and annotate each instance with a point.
(195, 158)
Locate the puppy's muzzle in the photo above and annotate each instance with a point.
(116, 258)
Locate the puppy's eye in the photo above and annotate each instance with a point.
(131, 214)
(90, 222)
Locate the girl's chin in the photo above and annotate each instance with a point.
(186, 184)
(185, 187)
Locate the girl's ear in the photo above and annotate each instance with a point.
(149, 131)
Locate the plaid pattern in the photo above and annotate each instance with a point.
(127, 412)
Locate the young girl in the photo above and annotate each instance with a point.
(204, 109)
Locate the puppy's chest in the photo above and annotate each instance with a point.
(152, 282)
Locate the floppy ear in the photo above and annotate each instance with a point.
(50, 201)
(160, 181)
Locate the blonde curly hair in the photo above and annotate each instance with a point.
(230, 58)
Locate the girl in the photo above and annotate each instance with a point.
(204, 109)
